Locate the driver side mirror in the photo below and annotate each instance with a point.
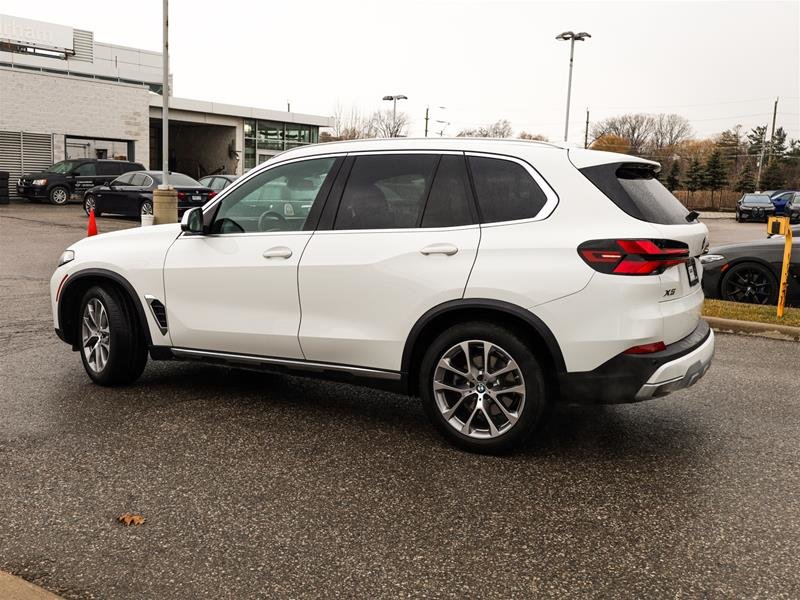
(192, 221)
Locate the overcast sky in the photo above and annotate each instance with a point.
(718, 63)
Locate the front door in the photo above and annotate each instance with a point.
(234, 289)
(403, 241)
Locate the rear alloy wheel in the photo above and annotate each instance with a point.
(113, 348)
(89, 204)
(750, 283)
(59, 195)
(483, 387)
(146, 208)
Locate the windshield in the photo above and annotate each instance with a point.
(757, 199)
(65, 166)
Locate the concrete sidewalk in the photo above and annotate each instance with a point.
(14, 588)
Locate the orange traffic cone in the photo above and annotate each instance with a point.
(92, 230)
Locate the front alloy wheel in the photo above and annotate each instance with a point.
(59, 195)
(90, 204)
(95, 335)
(750, 283)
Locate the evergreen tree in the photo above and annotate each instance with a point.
(771, 178)
(755, 139)
(777, 146)
(715, 172)
(746, 182)
(695, 176)
(673, 178)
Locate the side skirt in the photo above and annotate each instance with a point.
(375, 378)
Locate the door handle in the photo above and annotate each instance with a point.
(448, 249)
(277, 252)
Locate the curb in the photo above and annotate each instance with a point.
(14, 588)
(767, 330)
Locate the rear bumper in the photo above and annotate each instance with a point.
(633, 378)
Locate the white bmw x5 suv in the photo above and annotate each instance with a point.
(489, 277)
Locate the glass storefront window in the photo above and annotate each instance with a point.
(86, 148)
(249, 154)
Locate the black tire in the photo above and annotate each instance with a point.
(750, 283)
(86, 207)
(58, 195)
(127, 347)
(507, 345)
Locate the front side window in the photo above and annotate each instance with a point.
(505, 190)
(386, 191)
(65, 166)
(278, 199)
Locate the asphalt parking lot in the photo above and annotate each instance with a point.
(270, 486)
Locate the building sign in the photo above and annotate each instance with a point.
(36, 34)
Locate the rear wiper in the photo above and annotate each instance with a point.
(692, 216)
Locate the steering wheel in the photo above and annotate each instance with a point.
(270, 216)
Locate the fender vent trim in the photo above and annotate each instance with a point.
(159, 312)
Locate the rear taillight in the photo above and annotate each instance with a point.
(211, 194)
(647, 348)
(633, 257)
(181, 195)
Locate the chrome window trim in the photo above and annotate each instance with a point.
(551, 197)
(285, 362)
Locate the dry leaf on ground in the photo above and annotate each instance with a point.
(130, 519)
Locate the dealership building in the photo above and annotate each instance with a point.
(65, 95)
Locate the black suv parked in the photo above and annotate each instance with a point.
(69, 179)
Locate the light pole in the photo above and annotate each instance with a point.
(572, 37)
(394, 100)
(165, 198)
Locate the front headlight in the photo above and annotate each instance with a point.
(66, 257)
(709, 258)
(40, 182)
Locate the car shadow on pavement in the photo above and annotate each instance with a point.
(653, 429)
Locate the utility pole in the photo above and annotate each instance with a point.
(586, 131)
(761, 159)
(772, 134)
(427, 110)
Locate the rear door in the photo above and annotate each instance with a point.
(397, 238)
(84, 178)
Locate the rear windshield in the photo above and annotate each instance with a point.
(635, 189)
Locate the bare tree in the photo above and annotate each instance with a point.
(384, 123)
(350, 124)
(537, 137)
(637, 129)
(670, 130)
(498, 129)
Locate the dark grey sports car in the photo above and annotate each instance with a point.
(750, 272)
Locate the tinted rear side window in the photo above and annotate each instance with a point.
(109, 168)
(505, 190)
(448, 203)
(635, 190)
(386, 191)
